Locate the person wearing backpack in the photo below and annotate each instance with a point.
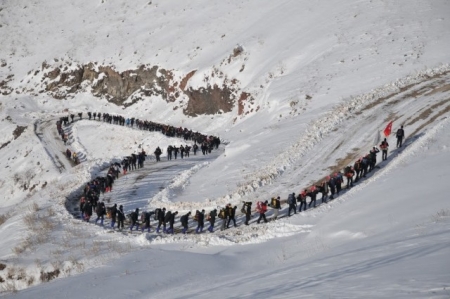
(212, 220)
(231, 215)
(184, 222)
(171, 222)
(201, 222)
(120, 217)
(224, 216)
(113, 212)
(313, 195)
(161, 216)
(324, 190)
(276, 206)
(145, 218)
(134, 219)
(101, 211)
(400, 134)
(262, 209)
(302, 199)
(248, 211)
(87, 210)
(167, 218)
(349, 173)
(339, 181)
(384, 149)
(292, 204)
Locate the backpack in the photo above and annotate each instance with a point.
(243, 209)
(222, 214)
(196, 215)
(274, 202)
(167, 217)
(143, 216)
(347, 170)
(291, 199)
(157, 212)
(259, 208)
(183, 219)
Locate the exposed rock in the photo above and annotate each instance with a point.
(132, 85)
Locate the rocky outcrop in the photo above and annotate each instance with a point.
(118, 87)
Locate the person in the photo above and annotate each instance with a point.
(171, 222)
(231, 215)
(248, 211)
(145, 218)
(313, 195)
(324, 190)
(276, 206)
(212, 220)
(400, 134)
(120, 217)
(201, 221)
(262, 209)
(113, 213)
(184, 222)
(384, 149)
(373, 157)
(82, 205)
(292, 204)
(158, 153)
(101, 211)
(160, 217)
(349, 173)
(339, 180)
(87, 210)
(302, 199)
(224, 216)
(167, 219)
(134, 219)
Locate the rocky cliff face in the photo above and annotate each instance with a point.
(125, 88)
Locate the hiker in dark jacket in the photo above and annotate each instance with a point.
(120, 218)
(101, 211)
(185, 221)
(400, 134)
(134, 219)
(161, 217)
(212, 220)
(201, 221)
(87, 210)
(167, 220)
(231, 215)
(292, 204)
(113, 214)
(248, 211)
(171, 222)
(146, 219)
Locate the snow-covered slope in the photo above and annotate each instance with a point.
(324, 80)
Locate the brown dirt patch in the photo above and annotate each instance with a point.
(427, 112)
(18, 131)
(432, 119)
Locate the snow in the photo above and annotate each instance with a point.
(325, 79)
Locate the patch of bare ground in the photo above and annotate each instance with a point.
(443, 88)
(427, 112)
(432, 119)
(414, 94)
(18, 131)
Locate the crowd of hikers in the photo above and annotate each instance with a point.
(163, 220)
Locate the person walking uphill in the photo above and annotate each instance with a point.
(201, 221)
(261, 208)
(384, 149)
(134, 219)
(248, 211)
(292, 204)
(184, 222)
(400, 135)
(101, 212)
(120, 217)
(276, 206)
(212, 220)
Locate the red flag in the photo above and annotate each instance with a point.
(387, 130)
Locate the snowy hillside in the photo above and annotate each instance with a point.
(296, 90)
